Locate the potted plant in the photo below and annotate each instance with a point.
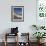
(38, 27)
(42, 27)
(39, 35)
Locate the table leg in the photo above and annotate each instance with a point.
(5, 40)
(17, 39)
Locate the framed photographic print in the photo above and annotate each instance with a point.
(17, 13)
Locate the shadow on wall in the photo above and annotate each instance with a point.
(6, 31)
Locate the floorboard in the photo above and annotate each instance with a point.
(13, 44)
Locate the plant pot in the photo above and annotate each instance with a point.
(38, 40)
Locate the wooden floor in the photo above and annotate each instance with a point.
(13, 44)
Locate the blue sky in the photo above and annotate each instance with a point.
(18, 11)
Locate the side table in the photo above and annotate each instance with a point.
(9, 34)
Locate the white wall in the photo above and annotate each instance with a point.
(29, 15)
